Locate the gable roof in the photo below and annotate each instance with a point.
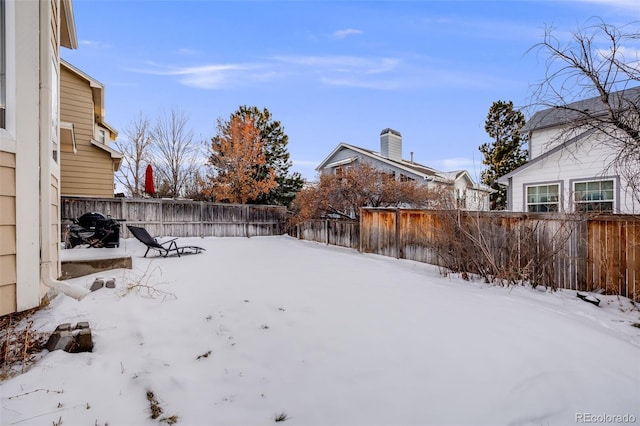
(415, 168)
(97, 92)
(581, 110)
(457, 174)
(503, 180)
(68, 37)
(424, 172)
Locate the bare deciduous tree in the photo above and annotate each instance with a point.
(600, 61)
(175, 153)
(135, 155)
(361, 185)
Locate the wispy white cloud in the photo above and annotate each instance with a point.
(366, 72)
(340, 34)
(212, 76)
(332, 70)
(379, 73)
(93, 44)
(624, 53)
(363, 84)
(342, 64)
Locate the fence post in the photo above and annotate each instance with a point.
(161, 219)
(326, 224)
(122, 204)
(361, 231)
(397, 236)
(246, 220)
(201, 220)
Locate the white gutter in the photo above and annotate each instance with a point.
(340, 163)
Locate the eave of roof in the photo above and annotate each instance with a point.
(92, 81)
(580, 110)
(415, 168)
(504, 180)
(68, 35)
(115, 155)
(97, 91)
(113, 131)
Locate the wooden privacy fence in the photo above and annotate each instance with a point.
(335, 232)
(182, 218)
(560, 251)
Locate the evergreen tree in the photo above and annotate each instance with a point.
(505, 153)
(274, 142)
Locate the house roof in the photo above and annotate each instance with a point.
(424, 172)
(504, 180)
(415, 168)
(68, 36)
(581, 110)
(115, 155)
(456, 174)
(97, 91)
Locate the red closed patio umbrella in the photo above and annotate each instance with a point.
(149, 188)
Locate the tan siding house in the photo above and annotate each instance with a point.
(88, 162)
(7, 232)
(31, 33)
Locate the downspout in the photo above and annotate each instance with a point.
(62, 286)
(47, 265)
(47, 135)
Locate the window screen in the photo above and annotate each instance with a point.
(543, 198)
(594, 196)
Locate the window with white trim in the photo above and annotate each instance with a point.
(594, 196)
(3, 65)
(543, 198)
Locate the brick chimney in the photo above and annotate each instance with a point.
(391, 144)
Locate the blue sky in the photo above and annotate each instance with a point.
(329, 71)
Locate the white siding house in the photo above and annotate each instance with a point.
(468, 194)
(570, 166)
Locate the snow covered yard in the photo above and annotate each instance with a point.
(257, 328)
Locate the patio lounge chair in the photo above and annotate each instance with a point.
(164, 249)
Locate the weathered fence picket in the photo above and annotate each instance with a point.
(579, 253)
(182, 218)
(339, 233)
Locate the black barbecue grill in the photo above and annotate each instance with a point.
(94, 229)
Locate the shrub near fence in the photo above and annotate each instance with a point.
(182, 218)
(554, 250)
